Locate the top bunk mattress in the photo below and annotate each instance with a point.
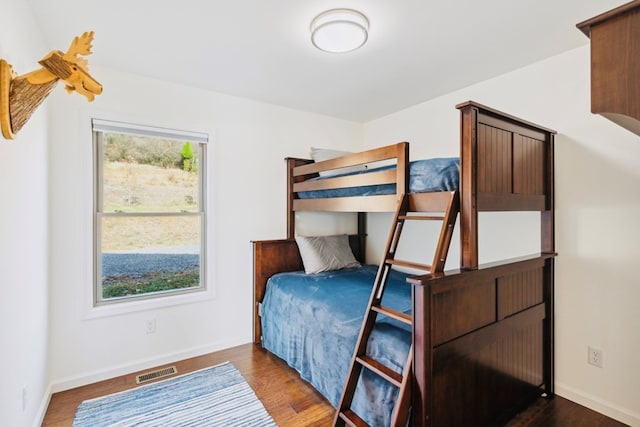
(427, 175)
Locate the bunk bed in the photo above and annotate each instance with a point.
(482, 335)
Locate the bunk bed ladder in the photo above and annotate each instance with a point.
(344, 415)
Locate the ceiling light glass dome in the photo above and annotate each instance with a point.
(339, 30)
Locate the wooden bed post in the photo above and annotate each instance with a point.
(402, 170)
(548, 245)
(547, 238)
(362, 237)
(468, 188)
(422, 345)
(291, 214)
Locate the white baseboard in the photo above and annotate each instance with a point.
(139, 365)
(624, 415)
(42, 409)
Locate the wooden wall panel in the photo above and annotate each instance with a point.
(519, 291)
(270, 257)
(478, 375)
(463, 310)
(494, 160)
(528, 165)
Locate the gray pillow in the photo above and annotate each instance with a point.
(326, 253)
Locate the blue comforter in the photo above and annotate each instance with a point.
(313, 321)
(428, 175)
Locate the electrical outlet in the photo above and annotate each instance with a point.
(150, 326)
(595, 357)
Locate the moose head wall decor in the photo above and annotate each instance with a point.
(21, 95)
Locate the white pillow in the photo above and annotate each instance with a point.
(322, 154)
(326, 253)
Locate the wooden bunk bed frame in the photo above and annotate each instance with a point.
(483, 335)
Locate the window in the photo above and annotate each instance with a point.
(149, 212)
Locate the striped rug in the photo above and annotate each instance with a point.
(216, 396)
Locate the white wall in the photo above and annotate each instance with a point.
(598, 203)
(23, 236)
(247, 187)
(598, 206)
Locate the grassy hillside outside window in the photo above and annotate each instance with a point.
(149, 212)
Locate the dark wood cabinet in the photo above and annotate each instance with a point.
(615, 64)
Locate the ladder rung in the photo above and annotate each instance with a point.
(352, 419)
(408, 264)
(384, 371)
(422, 217)
(394, 314)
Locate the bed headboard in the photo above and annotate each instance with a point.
(278, 256)
(506, 165)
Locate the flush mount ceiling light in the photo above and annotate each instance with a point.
(339, 30)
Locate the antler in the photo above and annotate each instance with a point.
(81, 45)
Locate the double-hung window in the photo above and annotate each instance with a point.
(149, 212)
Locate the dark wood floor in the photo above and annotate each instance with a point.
(292, 402)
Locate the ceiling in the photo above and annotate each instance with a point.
(261, 49)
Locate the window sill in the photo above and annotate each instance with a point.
(135, 306)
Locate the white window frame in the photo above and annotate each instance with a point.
(152, 300)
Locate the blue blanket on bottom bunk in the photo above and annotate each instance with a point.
(428, 175)
(313, 321)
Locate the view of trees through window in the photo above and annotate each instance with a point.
(149, 215)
